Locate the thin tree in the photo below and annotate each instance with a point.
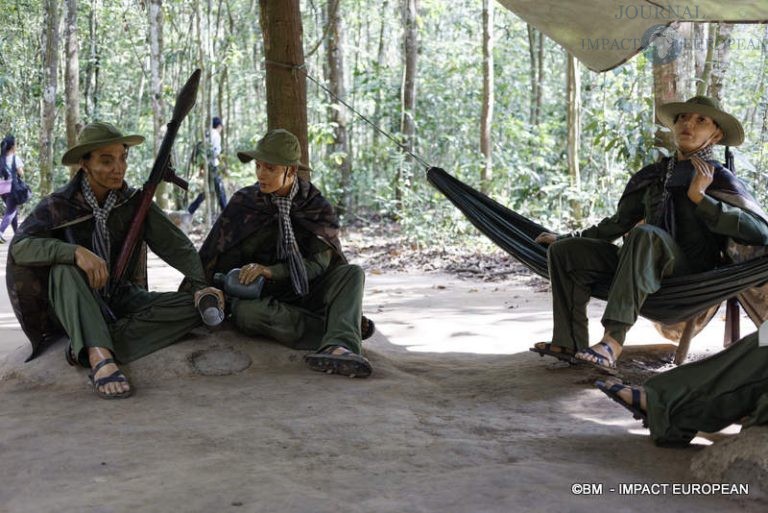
(407, 90)
(71, 74)
(50, 57)
(486, 118)
(155, 13)
(573, 90)
(338, 150)
(286, 85)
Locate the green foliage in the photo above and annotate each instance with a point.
(529, 160)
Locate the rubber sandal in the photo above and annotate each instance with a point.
(367, 328)
(603, 363)
(347, 364)
(115, 377)
(634, 407)
(546, 350)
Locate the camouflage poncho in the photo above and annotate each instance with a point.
(249, 211)
(28, 285)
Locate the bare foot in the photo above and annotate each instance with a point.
(95, 356)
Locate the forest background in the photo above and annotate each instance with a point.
(466, 86)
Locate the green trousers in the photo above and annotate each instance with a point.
(634, 271)
(709, 394)
(146, 321)
(329, 315)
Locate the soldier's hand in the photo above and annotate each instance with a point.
(250, 272)
(210, 290)
(702, 178)
(546, 238)
(94, 267)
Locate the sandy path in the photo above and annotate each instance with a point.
(458, 417)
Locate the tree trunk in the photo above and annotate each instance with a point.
(573, 89)
(380, 54)
(532, 53)
(50, 57)
(92, 69)
(486, 118)
(670, 80)
(721, 61)
(539, 77)
(286, 86)
(155, 12)
(338, 150)
(71, 80)
(703, 84)
(204, 119)
(407, 92)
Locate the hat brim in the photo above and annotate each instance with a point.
(247, 156)
(74, 154)
(733, 133)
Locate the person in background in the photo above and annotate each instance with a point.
(10, 165)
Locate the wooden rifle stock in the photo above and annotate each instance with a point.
(161, 171)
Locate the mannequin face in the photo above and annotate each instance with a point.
(695, 131)
(105, 169)
(275, 178)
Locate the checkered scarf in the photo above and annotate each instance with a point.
(287, 247)
(101, 242)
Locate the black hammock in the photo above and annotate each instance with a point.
(679, 298)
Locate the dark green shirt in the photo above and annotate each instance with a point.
(702, 229)
(160, 234)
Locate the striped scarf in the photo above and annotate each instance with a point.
(287, 247)
(100, 241)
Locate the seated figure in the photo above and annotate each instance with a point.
(677, 215)
(282, 229)
(61, 261)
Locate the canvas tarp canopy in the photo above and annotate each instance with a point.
(606, 33)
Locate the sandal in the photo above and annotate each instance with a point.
(545, 349)
(115, 377)
(367, 328)
(603, 363)
(613, 390)
(346, 364)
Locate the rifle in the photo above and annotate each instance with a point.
(162, 170)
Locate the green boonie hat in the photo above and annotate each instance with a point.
(95, 135)
(278, 146)
(733, 133)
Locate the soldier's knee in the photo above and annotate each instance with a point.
(563, 247)
(64, 272)
(644, 231)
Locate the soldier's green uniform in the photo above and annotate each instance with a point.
(329, 315)
(313, 297)
(709, 394)
(49, 292)
(146, 321)
(649, 253)
(676, 237)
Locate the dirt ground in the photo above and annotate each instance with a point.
(458, 416)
